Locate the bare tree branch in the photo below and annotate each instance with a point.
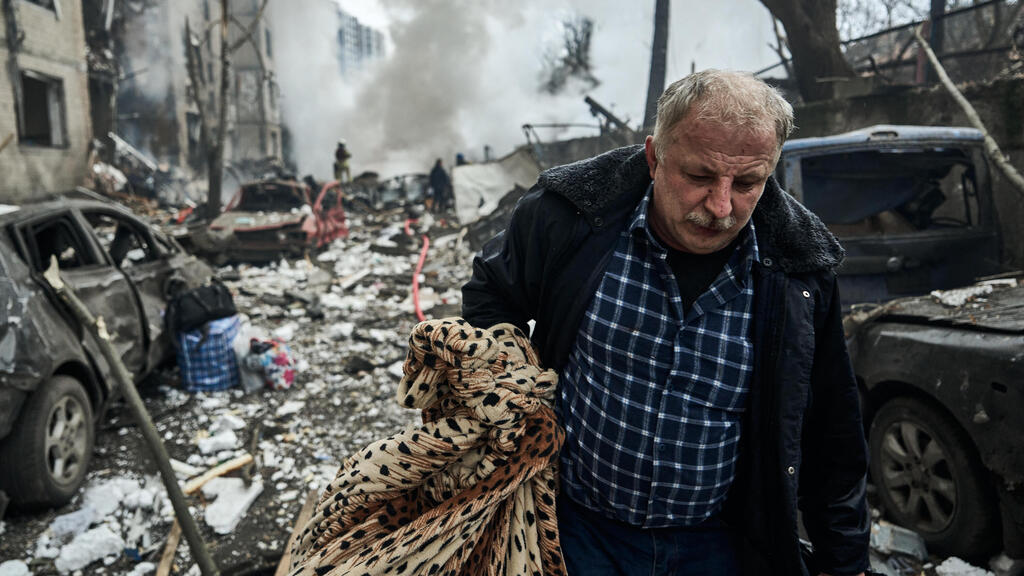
(1000, 160)
(248, 32)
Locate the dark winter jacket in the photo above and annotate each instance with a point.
(803, 442)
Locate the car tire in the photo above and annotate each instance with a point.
(930, 479)
(47, 454)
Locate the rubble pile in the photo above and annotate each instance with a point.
(346, 314)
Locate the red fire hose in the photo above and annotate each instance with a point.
(419, 268)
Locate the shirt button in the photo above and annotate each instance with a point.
(767, 262)
(662, 447)
(806, 294)
(598, 221)
(791, 470)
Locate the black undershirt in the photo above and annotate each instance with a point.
(695, 272)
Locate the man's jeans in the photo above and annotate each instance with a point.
(593, 545)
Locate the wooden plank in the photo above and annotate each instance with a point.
(193, 485)
(167, 559)
(300, 523)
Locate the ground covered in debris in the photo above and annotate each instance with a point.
(345, 313)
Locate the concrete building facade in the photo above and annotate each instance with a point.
(44, 98)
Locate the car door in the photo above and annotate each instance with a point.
(102, 287)
(132, 247)
(913, 217)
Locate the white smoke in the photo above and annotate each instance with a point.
(461, 74)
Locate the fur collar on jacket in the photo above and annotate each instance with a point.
(786, 231)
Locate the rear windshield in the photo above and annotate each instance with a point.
(270, 198)
(876, 192)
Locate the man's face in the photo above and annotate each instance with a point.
(708, 183)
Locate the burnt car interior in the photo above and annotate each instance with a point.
(60, 238)
(884, 192)
(269, 197)
(125, 244)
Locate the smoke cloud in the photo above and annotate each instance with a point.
(463, 74)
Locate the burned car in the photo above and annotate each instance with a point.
(940, 383)
(272, 218)
(54, 382)
(912, 206)
(943, 382)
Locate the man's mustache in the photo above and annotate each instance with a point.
(708, 221)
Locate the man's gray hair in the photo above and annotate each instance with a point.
(731, 98)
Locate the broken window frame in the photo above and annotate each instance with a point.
(29, 231)
(141, 239)
(791, 174)
(56, 106)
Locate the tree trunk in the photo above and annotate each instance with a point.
(215, 154)
(659, 61)
(814, 43)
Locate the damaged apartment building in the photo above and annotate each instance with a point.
(45, 123)
(156, 111)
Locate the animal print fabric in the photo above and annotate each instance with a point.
(471, 491)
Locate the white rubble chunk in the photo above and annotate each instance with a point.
(140, 499)
(228, 421)
(395, 369)
(105, 498)
(223, 440)
(960, 296)
(954, 566)
(14, 568)
(142, 568)
(888, 539)
(87, 548)
(73, 523)
(286, 332)
(232, 501)
(290, 407)
(184, 471)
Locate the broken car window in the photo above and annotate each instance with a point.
(58, 238)
(122, 241)
(270, 197)
(882, 192)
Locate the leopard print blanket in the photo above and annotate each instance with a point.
(472, 490)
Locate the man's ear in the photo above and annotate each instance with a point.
(652, 158)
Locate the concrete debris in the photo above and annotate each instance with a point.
(222, 440)
(73, 523)
(142, 568)
(88, 547)
(891, 539)
(232, 501)
(14, 568)
(288, 408)
(954, 566)
(105, 498)
(1003, 565)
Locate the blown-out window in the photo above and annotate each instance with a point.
(41, 110)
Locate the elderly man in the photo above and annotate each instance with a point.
(691, 309)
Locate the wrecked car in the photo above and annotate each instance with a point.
(942, 377)
(54, 382)
(266, 220)
(912, 206)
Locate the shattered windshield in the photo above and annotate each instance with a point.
(266, 197)
(899, 191)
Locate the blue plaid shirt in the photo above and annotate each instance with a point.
(652, 398)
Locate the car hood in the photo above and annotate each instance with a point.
(243, 221)
(996, 305)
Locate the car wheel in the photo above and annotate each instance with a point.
(931, 480)
(47, 453)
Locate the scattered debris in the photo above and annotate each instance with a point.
(960, 296)
(954, 566)
(891, 539)
(233, 499)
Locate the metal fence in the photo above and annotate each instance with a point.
(973, 43)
